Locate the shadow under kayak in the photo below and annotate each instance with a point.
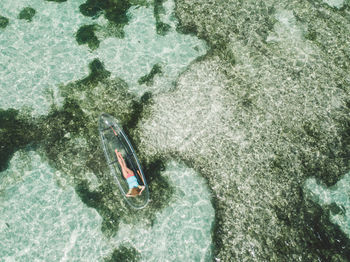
(113, 138)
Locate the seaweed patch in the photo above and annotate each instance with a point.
(4, 21)
(97, 74)
(86, 35)
(319, 235)
(161, 27)
(114, 11)
(57, 1)
(149, 78)
(125, 253)
(27, 13)
(16, 132)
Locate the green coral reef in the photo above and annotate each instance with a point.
(69, 139)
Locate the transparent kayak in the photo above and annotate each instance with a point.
(112, 138)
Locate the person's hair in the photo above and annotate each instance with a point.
(135, 191)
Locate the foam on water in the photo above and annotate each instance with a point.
(42, 221)
(37, 56)
(339, 194)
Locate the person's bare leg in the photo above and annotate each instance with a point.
(123, 161)
(122, 164)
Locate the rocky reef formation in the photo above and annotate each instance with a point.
(264, 110)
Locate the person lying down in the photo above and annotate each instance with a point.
(135, 189)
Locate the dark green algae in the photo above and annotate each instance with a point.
(57, 1)
(115, 11)
(149, 78)
(125, 253)
(27, 13)
(86, 35)
(161, 27)
(17, 131)
(4, 21)
(56, 135)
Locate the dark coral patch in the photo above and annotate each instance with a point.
(334, 158)
(124, 253)
(3, 21)
(86, 35)
(159, 187)
(149, 78)
(16, 132)
(90, 198)
(27, 13)
(97, 73)
(98, 199)
(57, 1)
(114, 10)
(317, 235)
(162, 28)
(139, 108)
(77, 121)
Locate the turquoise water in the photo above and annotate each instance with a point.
(42, 216)
(336, 198)
(38, 56)
(238, 110)
(44, 219)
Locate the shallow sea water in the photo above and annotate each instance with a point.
(42, 219)
(337, 197)
(42, 216)
(207, 108)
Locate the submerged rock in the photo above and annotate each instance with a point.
(3, 22)
(124, 253)
(86, 35)
(27, 13)
(148, 79)
(247, 119)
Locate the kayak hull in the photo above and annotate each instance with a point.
(113, 138)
